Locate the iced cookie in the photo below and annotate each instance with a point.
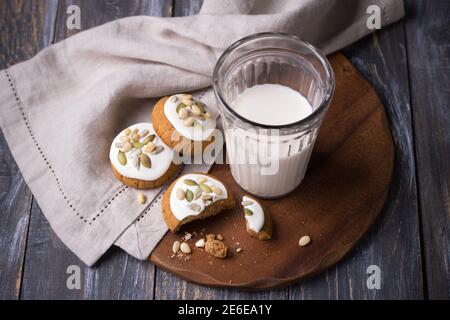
(140, 159)
(257, 220)
(184, 124)
(194, 196)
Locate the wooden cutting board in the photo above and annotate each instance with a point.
(342, 193)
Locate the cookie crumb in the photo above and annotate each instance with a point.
(304, 241)
(216, 248)
(239, 250)
(142, 198)
(219, 237)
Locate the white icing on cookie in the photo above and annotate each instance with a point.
(182, 208)
(192, 133)
(256, 220)
(160, 162)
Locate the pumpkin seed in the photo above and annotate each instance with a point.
(248, 212)
(180, 194)
(150, 147)
(205, 188)
(158, 150)
(202, 106)
(217, 191)
(144, 133)
(189, 122)
(122, 158)
(145, 160)
(197, 193)
(180, 106)
(127, 131)
(134, 131)
(138, 145)
(127, 146)
(152, 137)
(187, 96)
(147, 140)
(184, 247)
(247, 203)
(190, 182)
(194, 206)
(189, 195)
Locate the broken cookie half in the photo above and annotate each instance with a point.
(194, 196)
(257, 220)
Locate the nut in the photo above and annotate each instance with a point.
(202, 180)
(208, 115)
(136, 137)
(142, 198)
(136, 161)
(305, 240)
(194, 207)
(127, 131)
(134, 132)
(187, 102)
(200, 243)
(217, 191)
(196, 110)
(183, 113)
(206, 196)
(216, 248)
(176, 246)
(180, 194)
(127, 146)
(185, 248)
(189, 122)
(173, 99)
(239, 250)
(150, 147)
(144, 133)
(187, 236)
(197, 193)
(124, 139)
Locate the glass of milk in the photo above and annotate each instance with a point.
(273, 91)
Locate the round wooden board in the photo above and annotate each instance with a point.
(343, 192)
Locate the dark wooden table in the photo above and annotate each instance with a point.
(409, 65)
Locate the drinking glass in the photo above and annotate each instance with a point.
(270, 161)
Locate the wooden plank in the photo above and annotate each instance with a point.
(168, 286)
(393, 242)
(34, 21)
(428, 40)
(117, 275)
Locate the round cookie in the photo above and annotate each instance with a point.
(186, 131)
(140, 159)
(194, 196)
(257, 220)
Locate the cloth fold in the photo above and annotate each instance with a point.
(60, 110)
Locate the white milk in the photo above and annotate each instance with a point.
(269, 165)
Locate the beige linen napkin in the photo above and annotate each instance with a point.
(60, 110)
